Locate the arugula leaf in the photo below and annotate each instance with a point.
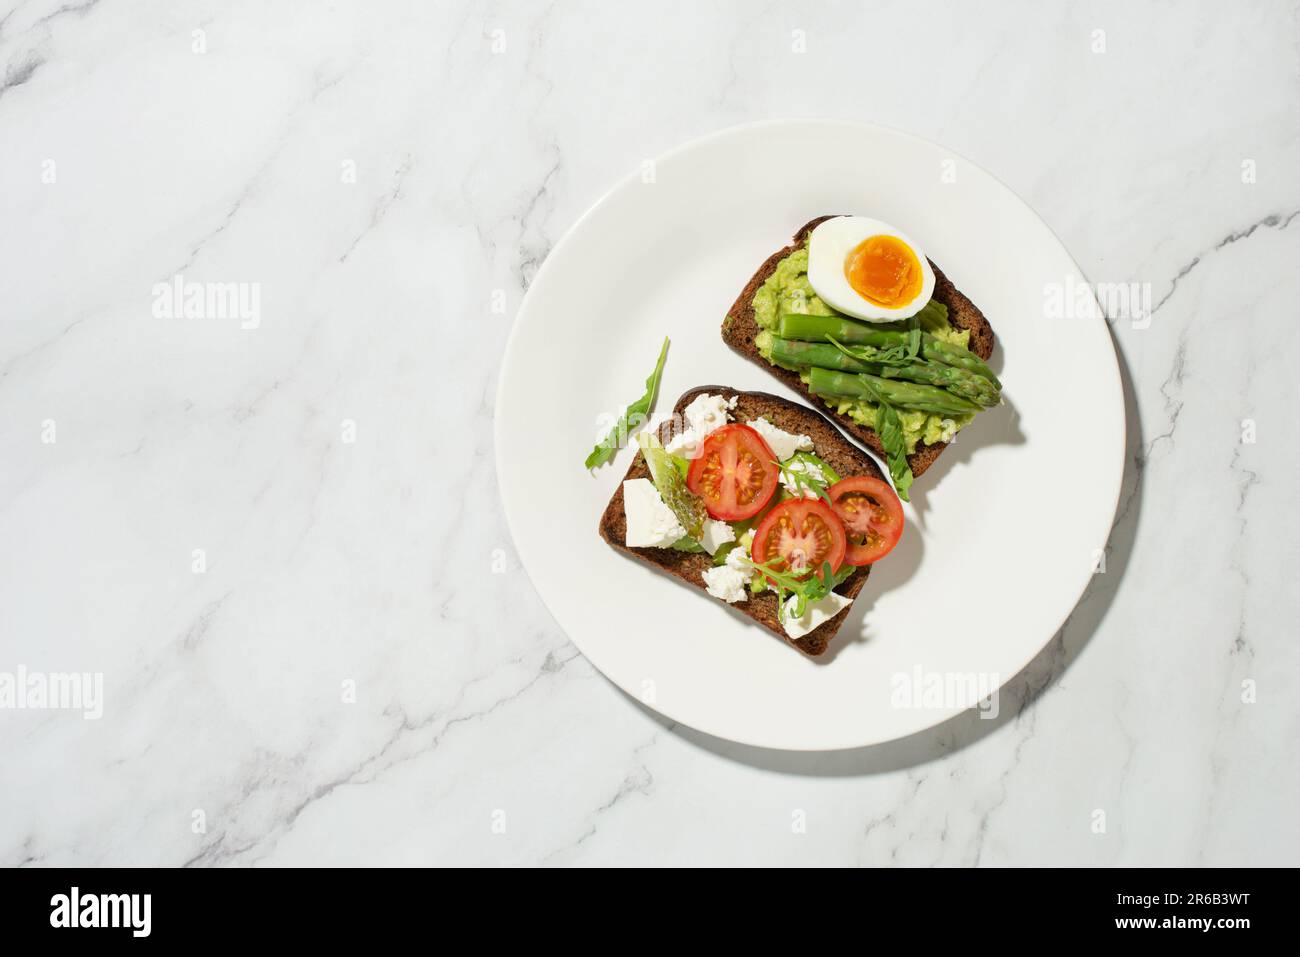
(905, 353)
(913, 338)
(609, 446)
(890, 429)
(893, 356)
(832, 476)
(804, 586)
(803, 481)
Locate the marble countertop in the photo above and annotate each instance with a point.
(275, 533)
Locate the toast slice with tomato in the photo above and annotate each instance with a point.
(828, 444)
(740, 328)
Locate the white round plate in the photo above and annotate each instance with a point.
(1003, 531)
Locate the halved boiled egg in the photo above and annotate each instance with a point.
(868, 269)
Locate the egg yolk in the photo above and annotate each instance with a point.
(884, 270)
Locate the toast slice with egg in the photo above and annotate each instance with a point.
(828, 444)
(740, 328)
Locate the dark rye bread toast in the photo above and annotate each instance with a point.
(739, 329)
(839, 453)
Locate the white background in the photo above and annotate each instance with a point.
(477, 734)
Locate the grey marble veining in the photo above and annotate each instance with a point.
(282, 547)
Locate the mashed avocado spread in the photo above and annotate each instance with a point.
(788, 290)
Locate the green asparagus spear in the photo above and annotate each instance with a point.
(822, 354)
(825, 328)
(959, 382)
(957, 356)
(857, 359)
(902, 395)
(828, 355)
(819, 328)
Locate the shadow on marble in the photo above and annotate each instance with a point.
(1017, 695)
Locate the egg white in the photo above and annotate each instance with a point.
(829, 246)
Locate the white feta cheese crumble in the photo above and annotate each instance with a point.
(716, 534)
(810, 469)
(684, 443)
(729, 581)
(817, 613)
(708, 412)
(782, 443)
(726, 583)
(704, 414)
(650, 523)
(736, 559)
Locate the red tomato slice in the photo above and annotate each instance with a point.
(871, 513)
(802, 533)
(735, 473)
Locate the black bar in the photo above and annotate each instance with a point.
(242, 906)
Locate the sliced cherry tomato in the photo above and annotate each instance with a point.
(735, 473)
(871, 513)
(802, 534)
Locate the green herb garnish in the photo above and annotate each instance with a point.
(913, 338)
(638, 410)
(896, 355)
(806, 586)
(804, 482)
(890, 429)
